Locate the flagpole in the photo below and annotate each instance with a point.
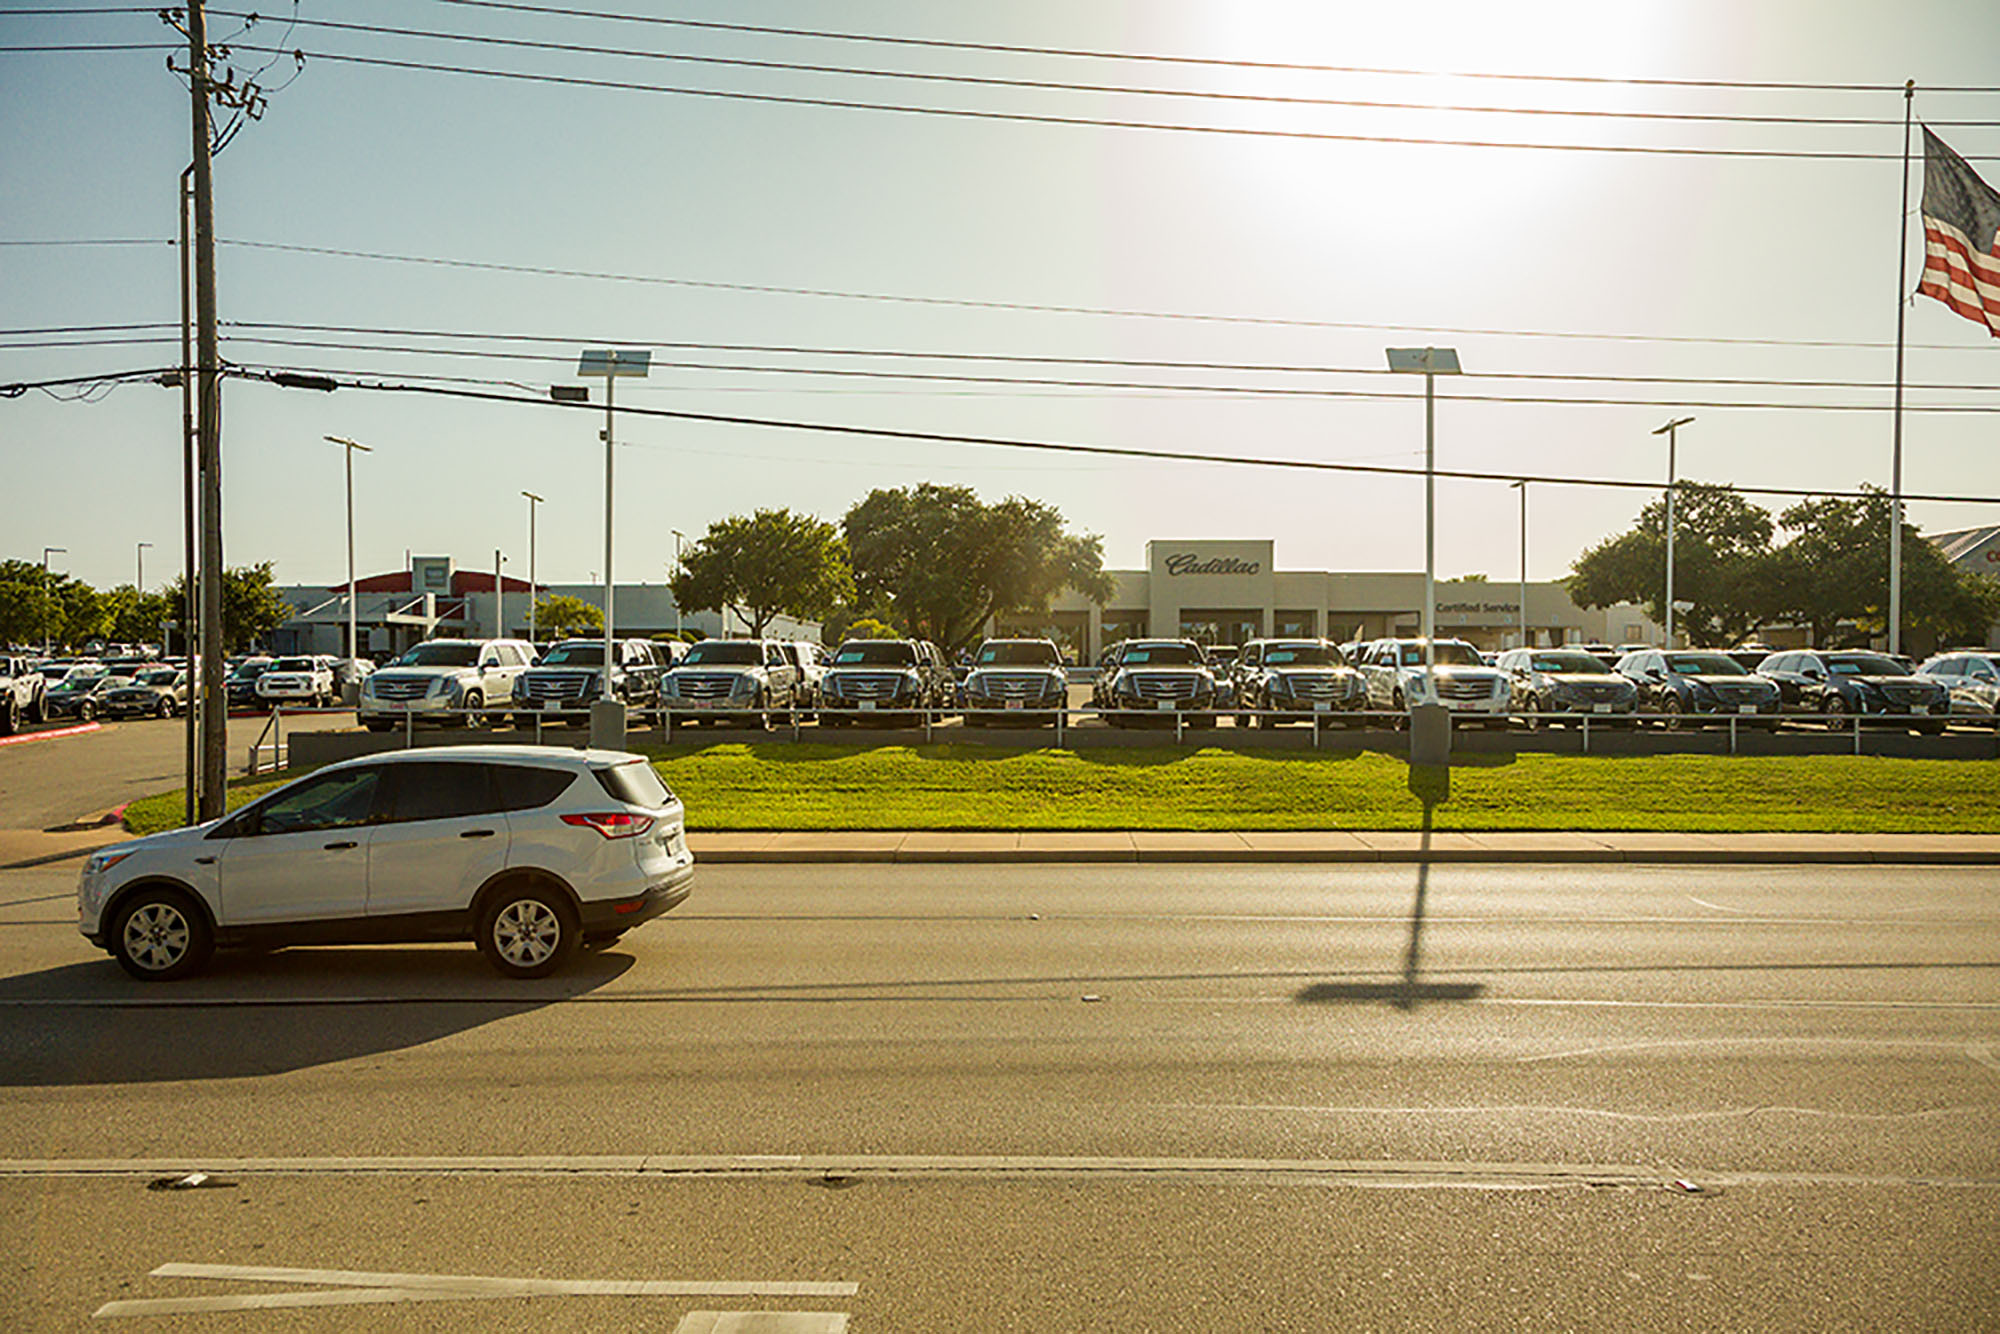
(1896, 459)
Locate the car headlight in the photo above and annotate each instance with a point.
(1279, 684)
(101, 862)
(743, 685)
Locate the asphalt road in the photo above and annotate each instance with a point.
(1051, 1097)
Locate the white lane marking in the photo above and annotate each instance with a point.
(1982, 1052)
(762, 1322)
(259, 1301)
(1605, 1113)
(1718, 907)
(1621, 1048)
(1564, 1002)
(508, 1287)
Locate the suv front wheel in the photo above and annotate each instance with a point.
(159, 935)
(528, 931)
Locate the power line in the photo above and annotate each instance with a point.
(1044, 118)
(543, 271)
(1211, 62)
(1111, 451)
(1056, 85)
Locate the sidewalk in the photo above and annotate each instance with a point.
(30, 847)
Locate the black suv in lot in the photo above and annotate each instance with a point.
(1022, 680)
(1293, 680)
(887, 681)
(1683, 683)
(1160, 678)
(1839, 685)
(570, 678)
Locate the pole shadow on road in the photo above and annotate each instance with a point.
(262, 1014)
(1431, 785)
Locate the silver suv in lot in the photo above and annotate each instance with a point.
(530, 852)
(732, 680)
(441, 679)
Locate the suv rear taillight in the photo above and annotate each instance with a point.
(612, 824)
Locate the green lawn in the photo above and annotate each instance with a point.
(787, 785)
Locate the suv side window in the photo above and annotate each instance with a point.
(518, 787)
(338, 800)
(440, 790)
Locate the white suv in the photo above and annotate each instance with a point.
(451, 680)
(298, 680)
(531, 852)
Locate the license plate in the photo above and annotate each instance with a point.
(1600, 708)
(1322, 706)
(1746, 708)
(1163, 704)
(867, 706)
(1015, 703)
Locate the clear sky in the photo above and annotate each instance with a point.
(1530, 261)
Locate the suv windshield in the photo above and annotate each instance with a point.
(1302, 655)
(1019, 653)
(876, 653)
(1161, 655)
(292, 665)
(1561, 663)
(724, 653)
(1703, 664)
(159, 676)
(440, 655)
(250, 671)
(574, 655)
(1865, 664)
(1450, 653)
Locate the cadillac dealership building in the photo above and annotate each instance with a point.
(1230, 592)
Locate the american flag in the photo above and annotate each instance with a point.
(1961, 215)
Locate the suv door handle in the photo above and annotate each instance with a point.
(336, 847)
(475, 833)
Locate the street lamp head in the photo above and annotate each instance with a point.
(532, 496)
(1423, 360)
(351, 444)
(1678, 421)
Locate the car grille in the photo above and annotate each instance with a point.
(1464, 687)
(1320, 685)
(997, 686)
(1746, 694)
(1594, 694)
(1908, 694)
(1162, 685)
(408, 687)
(566, 685)
(696, 685)
(864, 685)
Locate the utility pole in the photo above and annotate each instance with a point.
(190, 566)
(208, 681)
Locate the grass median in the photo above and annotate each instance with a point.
(805, 786)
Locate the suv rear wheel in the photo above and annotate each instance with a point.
(528, 930)
(10, 715)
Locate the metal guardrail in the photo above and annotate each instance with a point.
(268, 752)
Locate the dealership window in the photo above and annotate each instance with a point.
(1067, 628)
(1294, 625)
(1230, 626)
(1119, 625)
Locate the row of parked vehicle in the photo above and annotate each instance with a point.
(34, 690)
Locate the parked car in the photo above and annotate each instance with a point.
(1561, 683)
(298, 680)
(22, 690)
(57, 671)
(1972, 678)
(529, 852)
(1288, 680)
(1152, 679)
(1396, 672)
(813, 661)
(79, 697)
(241, 687)
(1604, 653)
(1843, 683)
(1691, 683)
(159, 691)
(884, 681)
(1014, 683)
(452, 682)
(570, 678)
(743, 681)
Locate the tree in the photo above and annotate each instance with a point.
(1835, 568)
(27, 611)
(766, 564)
(869, 628)
(251, 607)
(1723, 564)
(561, 616)
(946, 562)
(132, 617)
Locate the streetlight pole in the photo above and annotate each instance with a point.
(499, 597)
(140, 586)
(353, 649)
(679, 537)
(1669, 431)
(1430, 723)
(46, 553)
(533, 500)
(1522, 487)
(607, 723)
